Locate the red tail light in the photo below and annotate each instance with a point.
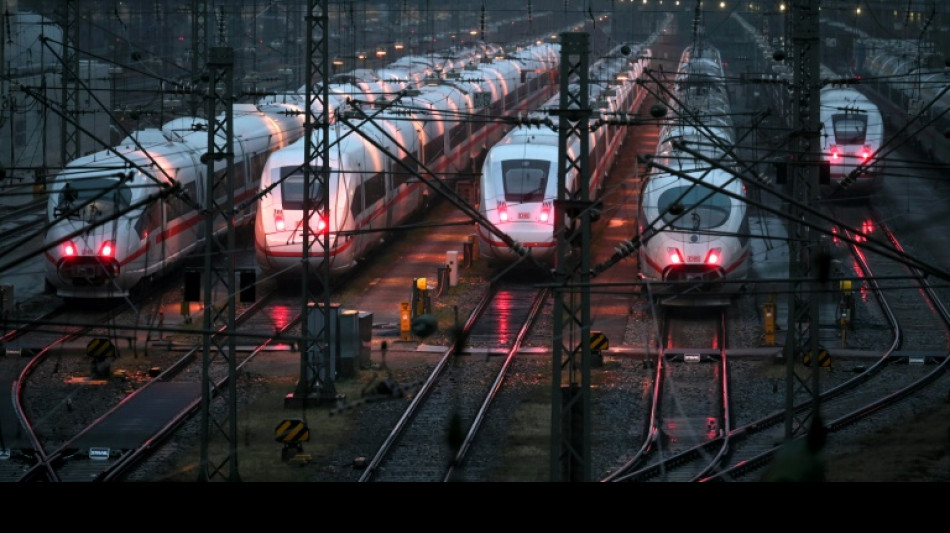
(502, 212)
(279, 220)
(865, 154)
(69, 249)
(322, 226)
(107, 250)
(714, 257)
(835, 154)
(675, 256)
(545, 212)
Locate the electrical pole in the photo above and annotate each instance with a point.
(218, 326)
(69, 132)
(570, 403)
(199, 50)
(316, 367)
(804, 249)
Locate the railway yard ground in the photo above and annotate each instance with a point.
(344, 435)
(341, 439)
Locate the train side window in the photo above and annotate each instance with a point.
(257, 164)
(458, 133)
(177, 206)
(356, 205)
(404, 172)
(241, 167)
(434, 148)
(374, 188)
(510, 100)
(221, 183)
(150, 220)
(497, 109)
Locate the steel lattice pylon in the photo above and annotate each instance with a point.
(316, 368)
(69, 131)
(199, 50)
(219, 306)
(803, 243)
(570, 403)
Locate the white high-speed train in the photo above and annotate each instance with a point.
(693, 213)
(852, 132)
(132, 211)
(381, 168)
(519, 181)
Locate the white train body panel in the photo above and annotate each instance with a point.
(709, 242)
(435, 131)
(113, 221)
(852, 130)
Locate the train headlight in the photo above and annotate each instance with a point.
(279, 220)
(675, 256)
(502, 212)
(714, 256)
(69, 249)
(107, 250)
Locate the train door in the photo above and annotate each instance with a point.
(146, 230)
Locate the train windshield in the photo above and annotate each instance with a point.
(850, 128)
(697, 208)
(525, 179)
(93, 198)
(291, 188)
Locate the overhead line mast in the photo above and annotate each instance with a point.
(804, 245)
(316, 369)
(219, 341)
(570, 403)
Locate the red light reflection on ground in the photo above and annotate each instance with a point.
(503, 316)
(280, 315)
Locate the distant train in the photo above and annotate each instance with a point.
(852, 133)
(693, 216)
(519, 180)
(912, 85)
(132, 211)
(366, 86)
(381, 168)
(114, 221)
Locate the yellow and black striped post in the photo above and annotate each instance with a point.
(598, 343)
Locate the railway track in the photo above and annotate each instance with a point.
(433, 438)
(675, 427)
(904, 368)
(127, 432)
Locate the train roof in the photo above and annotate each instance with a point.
(842, 98)
(518, 137)
(713, 178)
